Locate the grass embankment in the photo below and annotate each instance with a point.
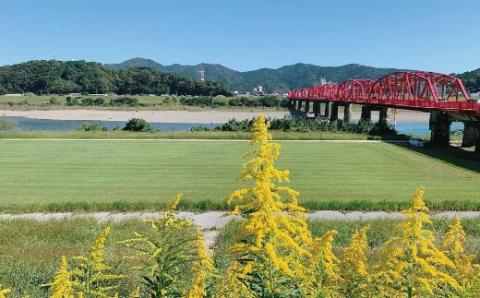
(61, 175)
(30, 251)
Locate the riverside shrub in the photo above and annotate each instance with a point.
(138, 125)
(275, 254)
(306, 125)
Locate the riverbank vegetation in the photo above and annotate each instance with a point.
(309, 125)
(24, 271)
(143, 102)
(271, 251)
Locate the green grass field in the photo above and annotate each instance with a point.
(139, 174)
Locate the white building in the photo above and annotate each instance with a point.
(258, 90)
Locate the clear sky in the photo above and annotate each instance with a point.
(435, 35)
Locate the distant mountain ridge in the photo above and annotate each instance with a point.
(281, 79)
(63, 77)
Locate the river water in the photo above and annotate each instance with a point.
(30, 124)
(418, 128)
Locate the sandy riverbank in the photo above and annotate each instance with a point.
(150, 116)
(180, 116)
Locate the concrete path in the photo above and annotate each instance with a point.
(212, 221)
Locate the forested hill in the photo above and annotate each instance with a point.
(471, 80)
(281, 79)
(57, 77)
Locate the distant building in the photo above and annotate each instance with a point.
(258, 90)
(99, 94)
(475, 95)
(74, 94)
(14, 94)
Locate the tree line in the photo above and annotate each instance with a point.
(57, 77)
(471, 79)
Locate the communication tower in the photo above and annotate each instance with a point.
(202, 75)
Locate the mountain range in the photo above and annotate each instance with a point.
(280, 80)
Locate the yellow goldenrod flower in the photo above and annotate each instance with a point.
(279, 240)
(413, 265)
(175, 201)
(92, 276)
(202, 269)
(62, 284)
(454, 246)
(4, 292)
(354, 276)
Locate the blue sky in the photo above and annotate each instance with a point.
(432, 35)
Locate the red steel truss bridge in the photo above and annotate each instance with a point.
(444, 96)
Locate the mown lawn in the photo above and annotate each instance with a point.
(137, 174)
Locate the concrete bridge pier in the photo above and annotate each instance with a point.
(326, 109)
(307, 107)
(316, 109)
(333, 111)
(471, 134)
(383, 117)
(366, 114)
(440, 123)
(477, 145)
(293, 104)
(347, 113)
(299, 105)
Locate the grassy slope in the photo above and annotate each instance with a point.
(30, 251)
(136, 174)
